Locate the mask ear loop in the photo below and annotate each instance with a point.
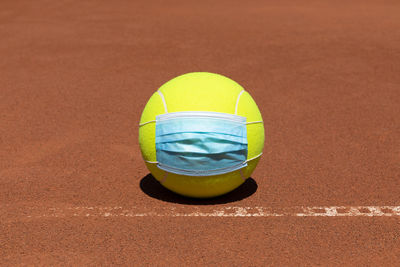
(164, 178)
(152, 162)
(237, 106)
(259, 155)
(241, 170)
(165, 107)
(253, 122)
(144, 123)
(241, 174)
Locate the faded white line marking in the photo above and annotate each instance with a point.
(202, 211)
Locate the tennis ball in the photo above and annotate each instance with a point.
(201, 91)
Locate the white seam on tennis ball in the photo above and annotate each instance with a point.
(153, 162)
(163, 100)
(237, 101)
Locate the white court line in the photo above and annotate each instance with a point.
(207, 211)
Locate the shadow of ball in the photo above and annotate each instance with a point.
(151, 187)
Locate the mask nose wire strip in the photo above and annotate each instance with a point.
(154, 162)
(163, 100)
(237, 101)
(251, 122)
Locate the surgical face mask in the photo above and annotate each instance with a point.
(198, 143)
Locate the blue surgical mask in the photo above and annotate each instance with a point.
(198, 143)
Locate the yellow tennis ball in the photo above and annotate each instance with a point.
(201, 91)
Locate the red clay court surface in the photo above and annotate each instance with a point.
(75, 76)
